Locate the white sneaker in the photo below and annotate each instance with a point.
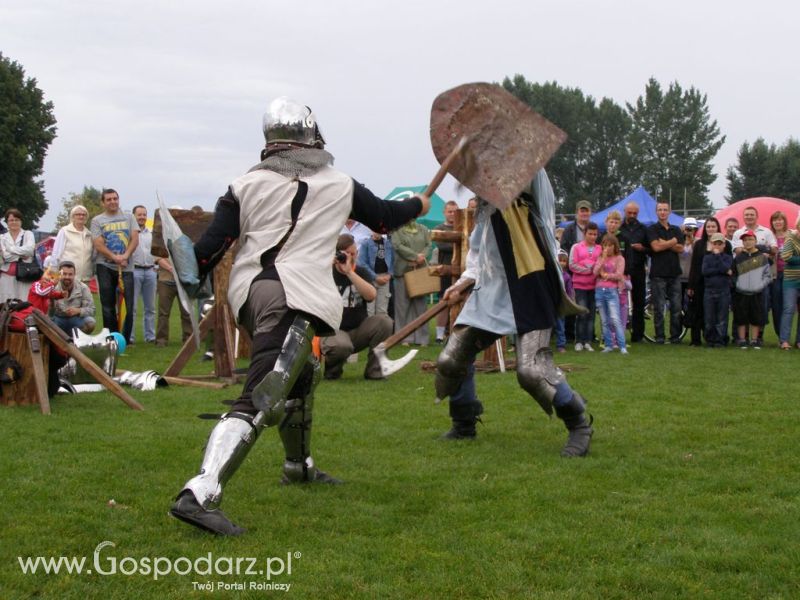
(623, 351)
(578, 347)
(607, 350)
(588, 347)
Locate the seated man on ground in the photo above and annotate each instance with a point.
(358, 330)
(75, 310)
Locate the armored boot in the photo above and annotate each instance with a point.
(198, 502)
(580, 430)
(464, 417)
(295, 432)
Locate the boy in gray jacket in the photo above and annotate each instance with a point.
(751, 269)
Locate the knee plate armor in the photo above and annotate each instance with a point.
(270, 394)
(451, 366)
(536, 372)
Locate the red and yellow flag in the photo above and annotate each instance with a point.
(122, 308)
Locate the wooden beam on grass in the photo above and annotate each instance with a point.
(209, 385)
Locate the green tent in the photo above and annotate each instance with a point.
(435, 215)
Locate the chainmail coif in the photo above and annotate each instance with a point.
(296, 162)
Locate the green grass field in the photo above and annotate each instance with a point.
(690, 491)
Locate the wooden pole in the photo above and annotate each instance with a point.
(39, 376)
(189, 347)
(209, 385)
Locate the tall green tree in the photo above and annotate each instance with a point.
(594, 162)
(673, 142)
(765, 170)
(89, 198)
(27, 128)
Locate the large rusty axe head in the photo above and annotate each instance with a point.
(508, 141)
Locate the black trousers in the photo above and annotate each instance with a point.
(638, 300)
(107, 282)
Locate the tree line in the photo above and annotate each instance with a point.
(765, 170)
(666, 141)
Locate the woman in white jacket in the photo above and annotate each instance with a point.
(17, 244)
(74, 243)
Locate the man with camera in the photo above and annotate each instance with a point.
(358, 330)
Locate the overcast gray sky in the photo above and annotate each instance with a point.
(168, 96)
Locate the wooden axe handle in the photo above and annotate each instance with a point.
(446, 164)
(421, 320)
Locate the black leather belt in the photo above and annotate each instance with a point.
(143, 267)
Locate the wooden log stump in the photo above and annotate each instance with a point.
(23, 392)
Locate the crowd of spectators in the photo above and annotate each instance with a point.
(721, 282)
(722, 285)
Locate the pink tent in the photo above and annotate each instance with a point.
(765, 207)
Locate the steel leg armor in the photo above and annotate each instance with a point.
(295, 432)
(542, 379)
(234, 435)
(229, 442)
(270, 394)
(536, 372)
(462, 346)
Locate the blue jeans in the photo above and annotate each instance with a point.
(663, 290)
(776, 302)
(607, 299)
(716, 306)
(67, 324)
(144, 287)
(790, 296)
(561, 336)
(584, 324)
(107, 285)
(466, 393)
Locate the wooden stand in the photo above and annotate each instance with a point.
(32, 353)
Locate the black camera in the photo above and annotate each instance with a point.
(341, 256)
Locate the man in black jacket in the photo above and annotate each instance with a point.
(666, 244)
(634, 234)
(573, 233)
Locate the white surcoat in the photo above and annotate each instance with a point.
(304, 262)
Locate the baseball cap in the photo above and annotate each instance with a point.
(690, 222)
(717, 237)
(747, 232)
(583, 204)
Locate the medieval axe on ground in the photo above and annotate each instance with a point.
(389, 366)
(493, 144)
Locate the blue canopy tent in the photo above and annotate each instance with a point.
(435, 215)
(647, 210)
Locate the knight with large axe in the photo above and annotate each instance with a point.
(518, 287)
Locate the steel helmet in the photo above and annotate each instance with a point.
(289, 122)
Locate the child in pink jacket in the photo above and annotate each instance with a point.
(610, 272)
(582, 257)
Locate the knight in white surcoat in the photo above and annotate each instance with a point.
(286, 214)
